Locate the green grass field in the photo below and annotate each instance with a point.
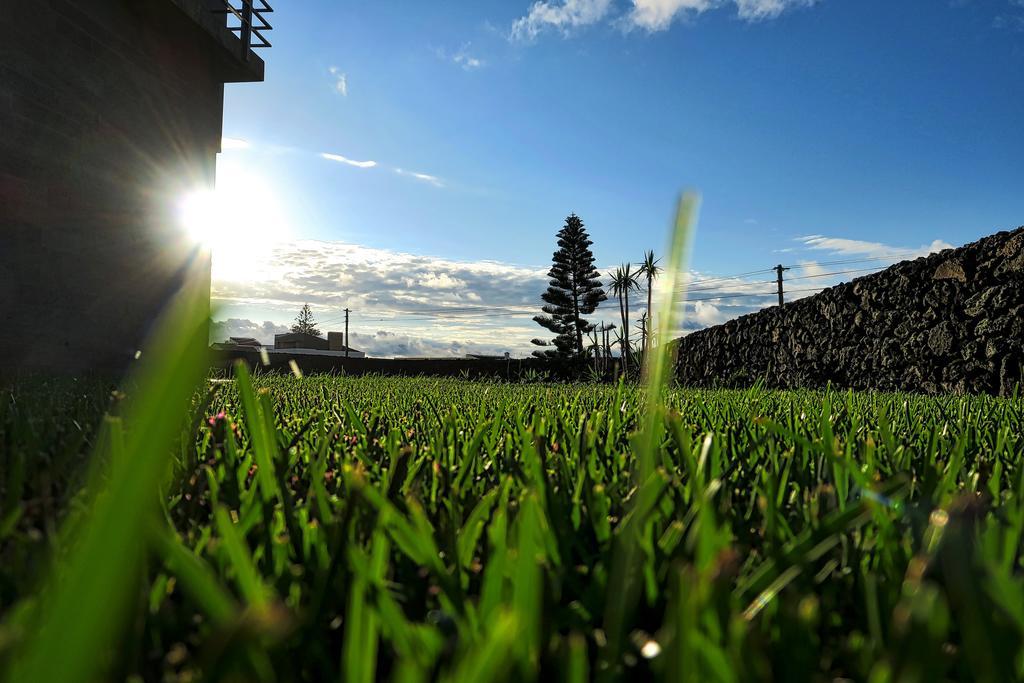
(355, 529)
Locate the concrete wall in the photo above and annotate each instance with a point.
(950, 322)
(110, 111)
(336, 341)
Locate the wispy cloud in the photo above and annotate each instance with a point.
(467, 62)
(350, 162)
(221, 330)
(812, 269)
(1007, 22)
(755, 10)
(560, 16)
(462, 58)
(340, 81)
(423, 177)
(234, 144)
(382, 280)
(1012, 19)
(647, 15)
(658, 15)
(849, 247)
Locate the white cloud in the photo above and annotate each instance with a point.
(1013, 23)
(221, 330)
(648, 15)
(561, 16)
(462, 58)
(350, 162)
(385, 343)
(707, 314)
(755, 10)
(812, 268)
(340, 81)
(848, 247)
(461, 306)
(424, 177)
(233, 143)
(442, 281)
(657, 15)
(467, 61)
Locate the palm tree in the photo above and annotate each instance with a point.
(642, 326)
(650, 269)
(606, 344)
(624, 279)
(594, 347)
(617, 286)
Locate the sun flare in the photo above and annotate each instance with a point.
(240, 222)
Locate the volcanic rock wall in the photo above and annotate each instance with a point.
(949, 322)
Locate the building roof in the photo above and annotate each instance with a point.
(303, 340)
(297, 336)
(245, 341)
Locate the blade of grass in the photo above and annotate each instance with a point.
(89, 594)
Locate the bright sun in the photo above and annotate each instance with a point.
(240, 223)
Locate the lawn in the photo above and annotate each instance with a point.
(332, 528)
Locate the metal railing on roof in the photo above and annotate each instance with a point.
(251, 26)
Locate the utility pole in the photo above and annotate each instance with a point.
(346, 330)
(778, 269)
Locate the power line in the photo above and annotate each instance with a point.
(799, 277)
(726, 296)
(889, 257)
(446, 314)
(867, 259)
(443, 311)
(457, 309)
(838, 272)
(719, 287)
(472, 311)
(701, 281)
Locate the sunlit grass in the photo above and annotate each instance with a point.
(359, 529)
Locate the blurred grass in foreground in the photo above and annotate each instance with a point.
(325, 528)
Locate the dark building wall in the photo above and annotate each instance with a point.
(298, 340)
(949, 322)
(110, 111)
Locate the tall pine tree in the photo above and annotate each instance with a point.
(573, 292)
(305, 323)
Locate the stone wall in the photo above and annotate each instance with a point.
(949, 322)
(110, 111)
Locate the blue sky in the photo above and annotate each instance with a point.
(815, 131)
